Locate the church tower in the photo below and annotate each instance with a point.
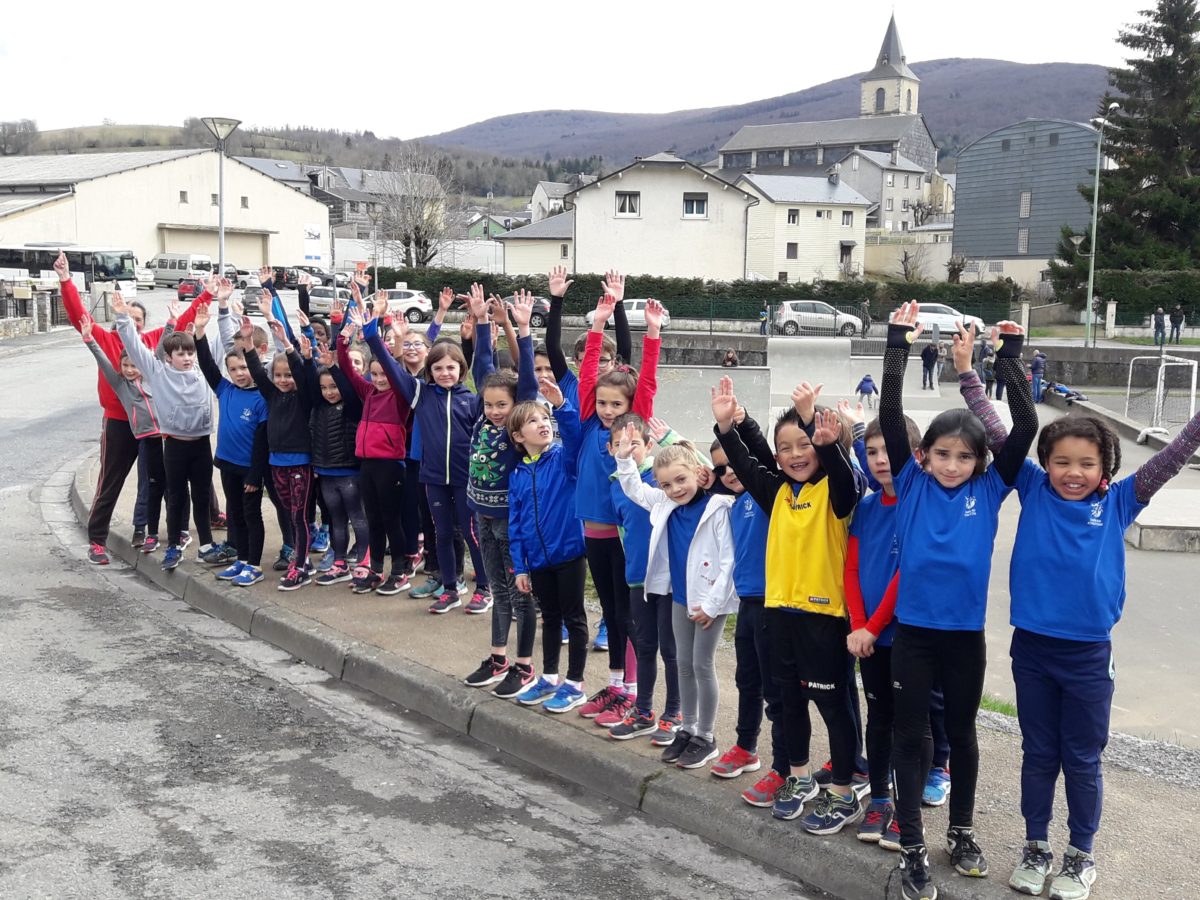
(891, 88)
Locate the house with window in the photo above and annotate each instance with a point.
(893, 184)
(1016, 188)
(804, 228)
(547, 199)
(540, 246)
(660, 215)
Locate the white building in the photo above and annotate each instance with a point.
(547, 199)
(663, 216)
(539, 247)
(160, 201)
(803, 229)
(893, 184)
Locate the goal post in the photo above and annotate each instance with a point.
(1160, 391)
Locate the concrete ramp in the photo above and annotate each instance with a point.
(684, 397)
(817, 360)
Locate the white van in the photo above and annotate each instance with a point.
(171, 268)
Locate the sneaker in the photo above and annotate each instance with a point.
(735, 761)
(367, 583)
(915, 883)
(675, 749)
(599, 702)
(539, 692)
(1075, 879)
(489, 672)
(284, 562)
(617, 711)
(218, 555)
(327, 561)
(172, 558)
(832, 813)
(789, 800)
(318, 539)
(762, 792)
(698, 752)
(601, 641)
(392, 585)
(461, 587)
(249, 575)
(937, 787)
(518, 678)
(139, 537)
(965, 854)
(565, 699)
(876, 821)
(151, 543)
(97, 555)
(335, 574)
(232, 572)
(219, 522)
(296, 577)
(185, 540)
(414, 563)
(860, 782)
(430, 587)
(890, 839)
(480, 602)
(634, 724)
(665, 733)
(566, 636)
(445, 602)
(1029, 877)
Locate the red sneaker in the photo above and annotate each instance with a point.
(617, 711)
(735, 762)
(763, 792)
(599, 702)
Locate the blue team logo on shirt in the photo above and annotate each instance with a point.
(1097, 512)
(970, 507)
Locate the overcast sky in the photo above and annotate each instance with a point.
(413, 69)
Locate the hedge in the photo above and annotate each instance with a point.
(1138, 294)
(697, 298)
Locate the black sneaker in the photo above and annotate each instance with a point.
(676, 747)
(698, 752)
(489, 672)
(367, 583)
(519, 677)
(295, 578)
(965, 854)
(915, 883)
(284, 561)
(393, 584)
(139, 537)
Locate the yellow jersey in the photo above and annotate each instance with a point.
(806, 551)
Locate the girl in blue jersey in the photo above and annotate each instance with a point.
(1067, 582)
(946, 520)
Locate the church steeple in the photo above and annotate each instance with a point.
(891, 87)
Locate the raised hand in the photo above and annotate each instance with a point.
(325, 356)
(559, 283)
(174, 310)
(604, 310)
(827, 428)
(658, 428)
(212, 284)
(337, 308)
(355, 293)
(224, 290)
(247, 329)
(625, 441)
(614, 284)
(203, 316)
(446, 299)
(476, 302)
(706, 478)
(963, 347)
(853, 414)
(303, 318)
(361, 279)
(522, 310)
(86, 324)
(280, 333)
(61, 267)
(804, 398)
(236, 308)
(654, 317)
(906, 315)
(305, 346)
(119, 306)
(266, 276)
(380, 306)
(724, 404)
(466, 330)
(549, 389)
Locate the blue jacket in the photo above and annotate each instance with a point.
(749, 525)
(445, 417)
(596, 466)
(866, 386)
(635, 526)
(543, 530)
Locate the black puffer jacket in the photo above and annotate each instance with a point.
(333, 432)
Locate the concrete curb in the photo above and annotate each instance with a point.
(839, 865)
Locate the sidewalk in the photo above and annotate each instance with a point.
(393, 647)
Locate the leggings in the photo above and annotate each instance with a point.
(654, 637)
(699, 691)
(755, 684)
(152, 484)
(415, 508)
(937, 729)
(293, 484)
(244, 521)
(559, 590)
(118, 453)
(343, 508)
(316, 500)
(428, 528)
(606, 560)
(921, 657)
(876, 672)
(281, 516)
(188, 464)
(448, 506)
(381, 483)
(509, 603)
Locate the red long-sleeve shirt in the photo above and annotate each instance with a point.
(886, 610)
(108, 341)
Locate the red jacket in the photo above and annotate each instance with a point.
(108, 341)
(381, 430)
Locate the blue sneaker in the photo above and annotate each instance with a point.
(565, 699)
(790, 799)
(601, 642)
(326, 562)
(937, 787)
(832, 813)
(565, 636)
(284, 562)
(539, 692)
(218, 555)
(232, 572)
(172, 558)
(248, 576)
(318, 539)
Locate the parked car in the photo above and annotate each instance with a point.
(323, 276)
(320, 299)
(286, 277)
(814, 317)
(415, 306)
(635, 311)
(946, 318)
(252, 295)
(144, 277)
(541, 310)
(189, 288)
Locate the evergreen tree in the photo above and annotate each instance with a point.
(1069, 272)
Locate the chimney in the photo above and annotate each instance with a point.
(835, 173)
(895, 155)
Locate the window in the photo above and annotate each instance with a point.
(353, 206)
(245, 202)
(802, 157)
(880, 99)
(735, 161)
(904, 226)
(793, 217)
(216, 201)
(996, 266)
(1054, 139)
(769, 158)
(854, 163)
(891, 179)
(564, 251)
(695, 206)
(1006, 145)
(847, 218)
(793, 251)
(904, 204)
(908, 102)
(887, 204)
(629, 203)
(820, 213)
(783, 277)
(829, 214)
(1032, 139)
(1026, 203)
(183, 197)
(1022, 240)
(906, 184)
(364, 234)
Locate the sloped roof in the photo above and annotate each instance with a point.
(281, 169)
(884, 161)
(804, 189)
(871, 129)
(16, 203)
(659, 159)
(554, 190)
(29, 171)
(891, 61)
(554, 228)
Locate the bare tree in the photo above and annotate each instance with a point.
(17, 136)
(418, 203)
(955, 267)
(922, 212)
(912, 263)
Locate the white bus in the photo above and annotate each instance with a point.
(95, 264)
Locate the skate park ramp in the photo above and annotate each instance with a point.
(684, 397)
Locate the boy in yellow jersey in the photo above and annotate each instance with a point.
(809, 500)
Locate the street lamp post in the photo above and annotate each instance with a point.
(1088, 337)
(221, 129)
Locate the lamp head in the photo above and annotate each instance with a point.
(1114, 105)
(221, 128)
(1077, 239)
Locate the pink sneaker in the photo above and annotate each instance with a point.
(735, 762)
(617, 711)
(599, 702)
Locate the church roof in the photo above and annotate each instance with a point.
(891, 61)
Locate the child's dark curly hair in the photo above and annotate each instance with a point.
(1089, 428)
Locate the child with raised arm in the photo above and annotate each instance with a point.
(949, 502)
(809, 500)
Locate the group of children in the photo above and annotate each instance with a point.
(827, 542)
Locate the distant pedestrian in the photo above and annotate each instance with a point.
(867, 391)
(866, 319)
(929, 358)
(941, 359)
(1037, 368)
(1176, 323)
(730, 360)
(989, 376)
(1160, 327)
(763, 315)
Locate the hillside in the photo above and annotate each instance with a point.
(961, 99)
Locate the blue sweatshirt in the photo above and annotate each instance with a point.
(681, 528)
(240, 412)
(593, 500)
(635, 527)
(749, 526)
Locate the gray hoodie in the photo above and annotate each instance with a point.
(135, 397)
(183, 400)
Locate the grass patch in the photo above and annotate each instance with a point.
(1149, 342)
(992, 703)
(730, 626)
(1057, 331)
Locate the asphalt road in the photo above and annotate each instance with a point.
(148, 751)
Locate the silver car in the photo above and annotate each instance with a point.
(814, 317)
(635, 312)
